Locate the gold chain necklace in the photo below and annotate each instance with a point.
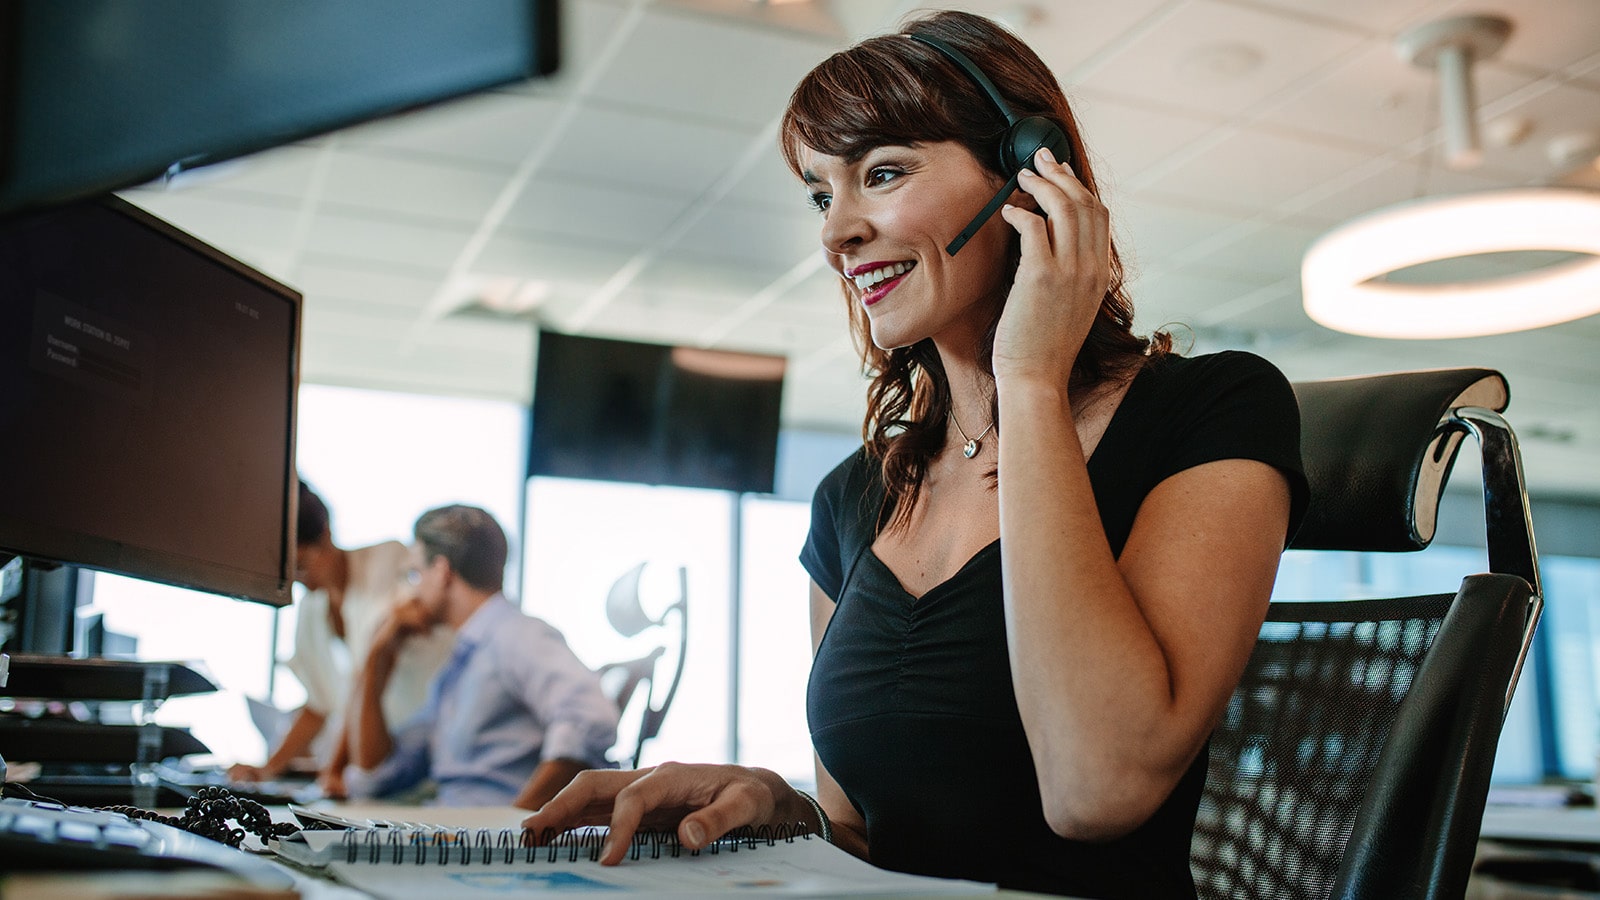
(970, 448)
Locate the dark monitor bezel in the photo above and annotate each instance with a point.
(50, 545)
(21, 191)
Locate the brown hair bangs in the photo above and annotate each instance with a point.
(873, 95)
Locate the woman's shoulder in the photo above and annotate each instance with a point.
(851, 493)
(848, 477)
(377, 565)
(1192, 379)
(1220, 365)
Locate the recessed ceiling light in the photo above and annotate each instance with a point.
(1222, 61)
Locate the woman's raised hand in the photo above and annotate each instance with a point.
(1062, 275)
(700, 803)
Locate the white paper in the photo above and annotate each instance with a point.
(801, 868)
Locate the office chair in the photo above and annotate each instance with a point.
(1353, 759)
(623, 679)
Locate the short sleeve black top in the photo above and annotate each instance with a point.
(910, 701)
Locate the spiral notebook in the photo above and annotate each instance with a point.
(432, 863)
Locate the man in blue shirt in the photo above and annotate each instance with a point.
(512, 716)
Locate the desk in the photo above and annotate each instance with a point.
(1537, 853)
(1576, 826)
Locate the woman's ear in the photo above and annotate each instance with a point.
(1023, 200)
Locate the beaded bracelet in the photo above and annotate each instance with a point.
(827, 827)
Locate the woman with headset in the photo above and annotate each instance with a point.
(1037, 582)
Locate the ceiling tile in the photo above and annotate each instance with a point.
(282, 172)
(559, 260)
(689, 64)
(426, 190)
(790, 339)
(382, 291)
(1220, 58)
(1374, 15)
(686, 273)
(652, 319)
(668, 153)
(1255, 170)
(1184, 297)
(259, 233)
(1383, 184)
(1071, 34)
(736, 232)
(384, 240)
(497, 130)
(1552, 111)
(1124, 139)
(1151, 233)
(596, 209)
(769, 182)
(1267, 249)
(1545, 34)
(1375, 99)
(1272, 312)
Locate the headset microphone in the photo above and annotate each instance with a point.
(1024, 136)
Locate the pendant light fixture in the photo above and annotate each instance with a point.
(1342, 275)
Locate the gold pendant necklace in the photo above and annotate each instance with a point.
(970, 448)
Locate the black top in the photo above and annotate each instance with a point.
(910, 701)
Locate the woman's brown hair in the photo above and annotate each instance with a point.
(890, 90)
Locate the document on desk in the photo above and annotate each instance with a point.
(451, 864)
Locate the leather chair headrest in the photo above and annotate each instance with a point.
(1376, 458)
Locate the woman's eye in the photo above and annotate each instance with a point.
(819, 202)
(880, 175)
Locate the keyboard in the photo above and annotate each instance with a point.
(44, 836)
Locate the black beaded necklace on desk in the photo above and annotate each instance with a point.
(207, 814)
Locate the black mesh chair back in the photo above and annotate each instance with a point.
(1354, 757)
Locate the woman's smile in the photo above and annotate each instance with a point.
(876, 280)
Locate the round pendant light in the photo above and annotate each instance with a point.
(1339, 276)
(1342, 274)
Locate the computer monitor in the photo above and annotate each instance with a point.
(617, 410)
(147, 403)
(99, 95)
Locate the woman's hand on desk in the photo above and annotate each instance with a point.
(331, 782)
(239, 773)
(698, 802)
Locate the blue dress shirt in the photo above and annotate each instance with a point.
(511, 696)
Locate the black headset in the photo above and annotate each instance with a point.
(1024, 136)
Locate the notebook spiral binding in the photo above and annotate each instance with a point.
(463, 846)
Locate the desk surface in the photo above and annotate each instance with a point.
(1562, 825)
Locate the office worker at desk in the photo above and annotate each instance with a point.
(1036, 584)
(511, 717)
(348, 593)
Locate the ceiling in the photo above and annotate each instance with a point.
(639, 194)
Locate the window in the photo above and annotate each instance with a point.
(583, 535)
(775, 640)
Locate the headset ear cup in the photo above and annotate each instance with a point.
(1025, 138)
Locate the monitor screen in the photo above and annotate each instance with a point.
(99, 95)
(623, 411)
(147, 402)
